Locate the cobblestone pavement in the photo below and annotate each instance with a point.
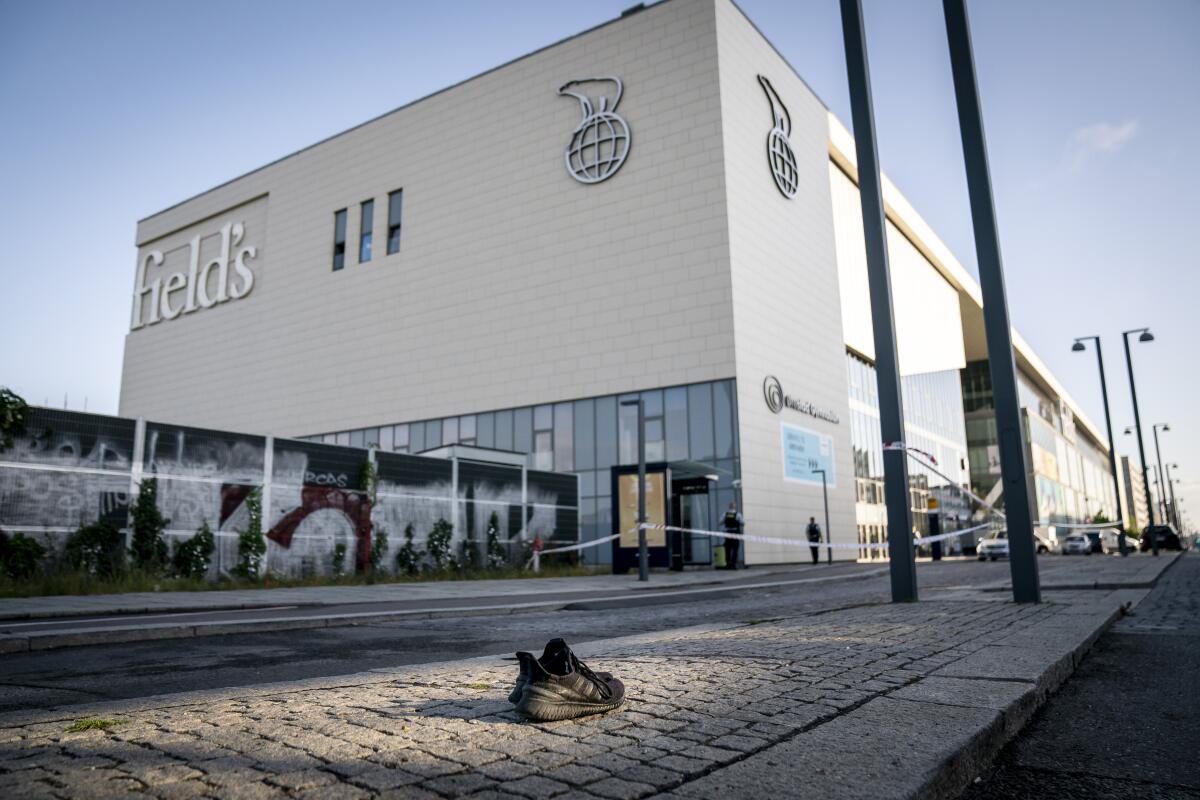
(700, 699)
(1174, 604)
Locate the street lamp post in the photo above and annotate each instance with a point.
(643, 553)
(1144, 335)
(1162, 487)
(825, 494)
(1112, 450)
(1171, 488)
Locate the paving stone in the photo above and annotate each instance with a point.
(619, 789)
(535, 786)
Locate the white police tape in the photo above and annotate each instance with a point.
(748, 537)
(582, 545)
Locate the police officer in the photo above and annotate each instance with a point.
(733, 524)
(814, 538)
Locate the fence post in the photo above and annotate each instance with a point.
(265, 498)
(454, 495)
(135, 472)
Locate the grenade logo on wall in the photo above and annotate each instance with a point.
(600, 143)
(779, 150)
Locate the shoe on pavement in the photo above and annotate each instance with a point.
(526, 659)
(560, 686)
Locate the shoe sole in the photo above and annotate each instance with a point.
(553, 710)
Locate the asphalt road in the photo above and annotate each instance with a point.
(46, 679)
(1127, 724)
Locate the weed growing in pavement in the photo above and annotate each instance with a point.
(92, 724)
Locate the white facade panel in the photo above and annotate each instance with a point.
(929, 334)
(786, 315)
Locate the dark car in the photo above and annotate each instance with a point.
(1096, 541)
(1167, 539)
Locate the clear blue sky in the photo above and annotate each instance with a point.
(115, 110)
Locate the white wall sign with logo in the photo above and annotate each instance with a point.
(201, 286)
(777, 400)
(804, 452)
(600, 142)
(780, 157)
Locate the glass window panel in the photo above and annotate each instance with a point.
(466, 428)
(543, 418)
(543, 453)
(656, 445)
(485, 430)
(329, 438)
(365, 229)
(700, 422)
(339, 239)
(416, 437)
(723, 418)
(450, 430)
(675, 410)
(585, 434)
(371, 437)
(433, 434)
(523, 430)
(387, 438)
(654, 403)
(504, 430)
(357, 438)
(564, 437)
(606, 432)
(343, 438)
(395, 201)
(627, 431)
(401, 436)
(587, 483)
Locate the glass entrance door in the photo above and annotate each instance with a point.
(694, 513)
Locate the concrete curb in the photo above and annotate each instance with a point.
(78, 637)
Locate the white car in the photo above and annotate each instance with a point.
(1077, 544)
(993, 547)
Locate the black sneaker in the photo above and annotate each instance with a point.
(526, 659)
(560, 686)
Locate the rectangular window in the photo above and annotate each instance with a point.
(365, 228)
(339, 239)
(395, 200)
(564, 437)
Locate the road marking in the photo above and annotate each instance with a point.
(128, 617)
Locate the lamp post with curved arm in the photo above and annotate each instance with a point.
(1144, 335)
(1112, 450)
(1162, 487)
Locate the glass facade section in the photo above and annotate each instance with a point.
(365, 231)
(339, 239)
(696, 424)
(933, 424)
(395, 203)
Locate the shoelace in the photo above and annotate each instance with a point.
(586, 672)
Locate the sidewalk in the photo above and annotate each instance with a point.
(874, 701)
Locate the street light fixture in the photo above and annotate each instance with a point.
(1079, 347)
(643, 553)
(1144, 335)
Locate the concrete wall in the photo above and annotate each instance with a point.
(514, 283)
(787, 320)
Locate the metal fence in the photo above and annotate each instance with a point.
(71, 469)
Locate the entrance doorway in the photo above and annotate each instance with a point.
(690, 508)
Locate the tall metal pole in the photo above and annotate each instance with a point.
(1162, 492)
(825, 495)
(643, 552)
(1171, 488)
(1158, 489)
(1112, 450)
(1018, 506)
(902, 562)
(1137, 424)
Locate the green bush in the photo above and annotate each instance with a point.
(441, 551)
(192, 557)
(379, 548)
(12, 416)
(251, 544)
(339, 559)
(408, 557)
(20, 556)
(97, 549)
(147, 547)
(497, 556)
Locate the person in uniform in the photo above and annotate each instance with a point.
(733, 524)
(814, 539)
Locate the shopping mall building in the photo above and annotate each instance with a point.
(657, 208)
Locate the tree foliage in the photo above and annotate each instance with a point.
(12, 416)
(148, 548)
(97, 549)
(193, 557)
(251, 544)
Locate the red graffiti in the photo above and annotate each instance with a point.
(317, 498)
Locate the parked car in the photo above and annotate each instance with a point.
(1096, 539)
(1166, 537)
(1077, 544)
(1043, 545)
(994, 546)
